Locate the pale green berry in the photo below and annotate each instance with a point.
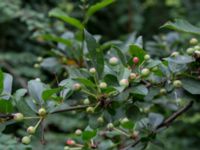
(110, 126)
(92, 70)
(177, 83)
(86, 101)
(113, 61)
(124, 82)
(18, 117)
(163, 91)
(78, 132)
(103, 85)
(197, 47)
(90, 110)
(174, 54)
(100, 120)
(39, 59)
(190, 51)
(133, 76)
(42, 112)
(31, 130)
(26, 140)
(147, 57)
(124, 120)
(76, 86)
(36, 65)
(145, 72)
(193, 41)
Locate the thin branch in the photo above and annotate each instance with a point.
(42, 132)
(166, 123)
(70, 109)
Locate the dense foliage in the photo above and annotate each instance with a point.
(74, 90)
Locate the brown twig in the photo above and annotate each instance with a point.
(166, 123)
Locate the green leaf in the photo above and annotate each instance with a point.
(89, 134)
(36, 89)
(6, 106)
(128, 125)
(7, 86)
(57, 13)
(191, 85)
(120, 55)
(98, 6)
(54, 38)
(47, 94)
(155, 119)
(182, 26)
(86, 82)
(95, 53)
(140, 89)
(136, 51)
(180, 59)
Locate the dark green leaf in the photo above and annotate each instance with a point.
(182, 26)
(63, 16)
(191, 85)
(6, 106)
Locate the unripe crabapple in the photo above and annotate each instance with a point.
(76, 86)
(31, 130)
(110, 126)
(42, 112)
(193, 41)
(90, 110)
(18, 117)
(78, 132)
(133, 76)
(113, 60)
(26, 140)
(92, 70)
(124, 82)
(147, 57)
(86, 101)
(145, 72)
(102, 85)
(177, 83)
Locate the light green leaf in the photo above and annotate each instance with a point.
(191, 85)
(57, 13)
(98, 6)
(182, 26)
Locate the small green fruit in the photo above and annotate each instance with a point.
(147, 57)
(135, 135)
(174, 54)
(39, 59)
(18, 117)
(193, 41)
(86, 101)
(124, 82)
(163, 91)
(124, 120)
(76, 86)
(133, 76)
(42, 112)
(78, 132)
(26, 140)
(36, 66)
(66, 148)
(177, 83)
(92, 70)
(90, 110)
(145, 72)
(103, 85)
(110, 126)
(31, 130)
(190, 51)
(197, 48)
(113, 61)
(100, 120)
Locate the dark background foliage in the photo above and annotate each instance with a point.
(22, 21)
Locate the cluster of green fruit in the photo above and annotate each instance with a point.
(31, 129)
